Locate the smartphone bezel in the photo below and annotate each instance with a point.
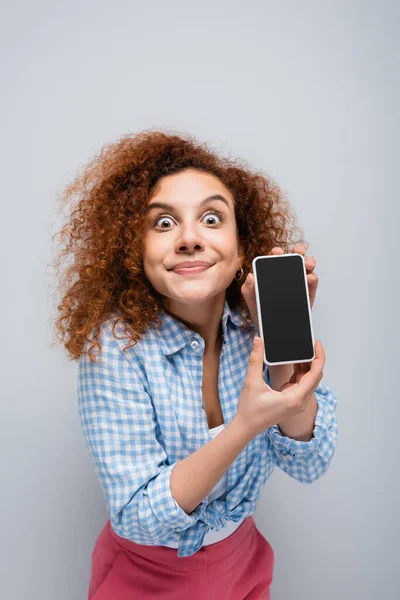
(277, 256)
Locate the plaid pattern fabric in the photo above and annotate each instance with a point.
(141, 412)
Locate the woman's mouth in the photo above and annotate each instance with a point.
(190, 270)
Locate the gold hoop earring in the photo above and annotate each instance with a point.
(241, 274)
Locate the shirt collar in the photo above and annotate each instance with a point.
(173, 334)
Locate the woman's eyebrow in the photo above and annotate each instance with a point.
(170, 207)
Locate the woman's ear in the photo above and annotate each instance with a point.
(241, 255)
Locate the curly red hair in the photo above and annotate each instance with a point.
(105, 228)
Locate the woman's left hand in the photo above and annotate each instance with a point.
(249, 293)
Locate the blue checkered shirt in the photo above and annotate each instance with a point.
(141, 412)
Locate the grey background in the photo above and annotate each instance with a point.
(306, 91)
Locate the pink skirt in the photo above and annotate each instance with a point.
(236, 568)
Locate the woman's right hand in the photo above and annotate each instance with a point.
(260, 407)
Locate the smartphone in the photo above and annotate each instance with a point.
(283, 308)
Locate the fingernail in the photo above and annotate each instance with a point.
(248, 281)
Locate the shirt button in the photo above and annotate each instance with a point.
(194, 344)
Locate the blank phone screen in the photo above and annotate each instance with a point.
(285, 318)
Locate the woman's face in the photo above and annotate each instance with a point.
(190, 229)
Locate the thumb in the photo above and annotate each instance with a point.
(256, 365)
(256, 357)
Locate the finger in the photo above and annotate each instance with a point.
(312, 283)
(302, 367)
(311, 378)
(249, 293)
(298, 371)
(248, 283)
(308, 383)
(256, 362)
(317, 364)
(310, 263)
(299, 248)
(312, 278)
(294, 378)
(306, 367)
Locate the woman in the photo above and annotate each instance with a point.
(184, 423)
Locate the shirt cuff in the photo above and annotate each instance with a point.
(288, 446)
(165, 507)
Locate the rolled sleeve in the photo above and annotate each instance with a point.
(164, 506)
(308, 461)
(119, 425)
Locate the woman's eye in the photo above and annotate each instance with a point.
(208, 215)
